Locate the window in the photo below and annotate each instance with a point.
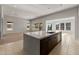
(57, 27)
(49, 26)
(62, 26)
(68, 26)
(40, 26)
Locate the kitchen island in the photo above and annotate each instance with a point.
(40, 43)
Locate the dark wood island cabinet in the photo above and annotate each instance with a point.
(48, 43)
(40, 44)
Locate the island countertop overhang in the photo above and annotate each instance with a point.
(40, 34)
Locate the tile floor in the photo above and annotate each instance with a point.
(68, 46)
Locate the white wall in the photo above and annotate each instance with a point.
(77, 24)
(19, 25)
(58, 15)
(0, 21)
(72, 12)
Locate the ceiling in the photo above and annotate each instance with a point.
(30, 11)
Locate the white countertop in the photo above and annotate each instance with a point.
(39, 34)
